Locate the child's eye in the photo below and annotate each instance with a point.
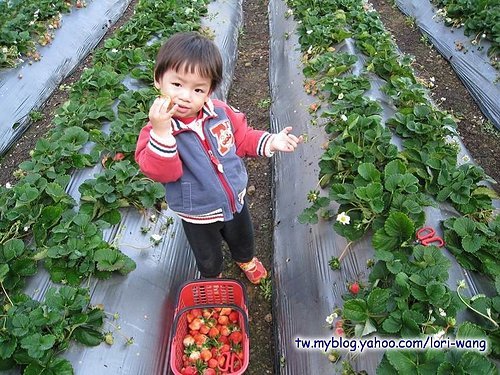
(201, 91)
(176, 84)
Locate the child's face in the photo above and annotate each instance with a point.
(188, 90)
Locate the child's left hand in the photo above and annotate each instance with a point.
(283, 141)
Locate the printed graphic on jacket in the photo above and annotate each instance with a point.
(224, 135)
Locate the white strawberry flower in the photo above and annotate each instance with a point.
(341, 96)
(343, 117)
(309, 32)
(331, 318)
(156, 237)
(343, 218)
(440, 334)
(8, 185)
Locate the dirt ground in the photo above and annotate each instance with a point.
(250, 95)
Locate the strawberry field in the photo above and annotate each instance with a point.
(91, 258)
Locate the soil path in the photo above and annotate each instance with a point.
(250, 94)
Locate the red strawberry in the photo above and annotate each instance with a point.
(233, 317)
(189, 370)
(213, 363)
(200, 339)
(195, 324)
(119, 156)
(224, 331)
(223, 319)
(214, 332)
(196, 313)
(236, 337)
(226, 311)
(205, 355)
(354, 288)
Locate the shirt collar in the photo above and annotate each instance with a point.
(207, 111)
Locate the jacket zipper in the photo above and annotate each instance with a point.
(220, 171)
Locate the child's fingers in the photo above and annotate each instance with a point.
(172, 111)
(295, 138)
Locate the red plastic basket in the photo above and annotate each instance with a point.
(208, 293)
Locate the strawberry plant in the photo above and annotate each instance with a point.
(475, 245)
(35, 332)
(119, 186)
(24, 24)
(479, 18)
(385, 188)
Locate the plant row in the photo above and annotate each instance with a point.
(383, 189)
(26, 24)
(41, 221)
(480, 19)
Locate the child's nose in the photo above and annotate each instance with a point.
(185, 95)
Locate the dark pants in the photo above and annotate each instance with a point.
(206, 242)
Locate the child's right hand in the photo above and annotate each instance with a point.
(160, 116)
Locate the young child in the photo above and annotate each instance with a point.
(195, 145)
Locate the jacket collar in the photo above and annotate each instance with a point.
(206, 112)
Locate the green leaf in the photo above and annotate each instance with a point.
(470, 330)
(108, 260)
(385, 367)
(446, 368)
(57, 366)
(394, 167)
(464, 226)
(410, 320)
(309, 216)
(403, 362)
(471, 244)
(399, 225)
(435, 291)
(113, 217)
(356, 310)
(13, 248)
(398, 228)
(37, 344)
(392, 182)
(475, 363)
(4, 270)
(369, 327)
(7, 347)
(88, 336)
(377, 300)
(393, 323)
(369, 172)
(422, 110)
(6, 364)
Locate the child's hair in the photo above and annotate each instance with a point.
(191, 52)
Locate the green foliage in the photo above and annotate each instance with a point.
(480, 20)
(38, 207)
(24, 24)
(35, 332)
(383, 189)
(475, 245)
